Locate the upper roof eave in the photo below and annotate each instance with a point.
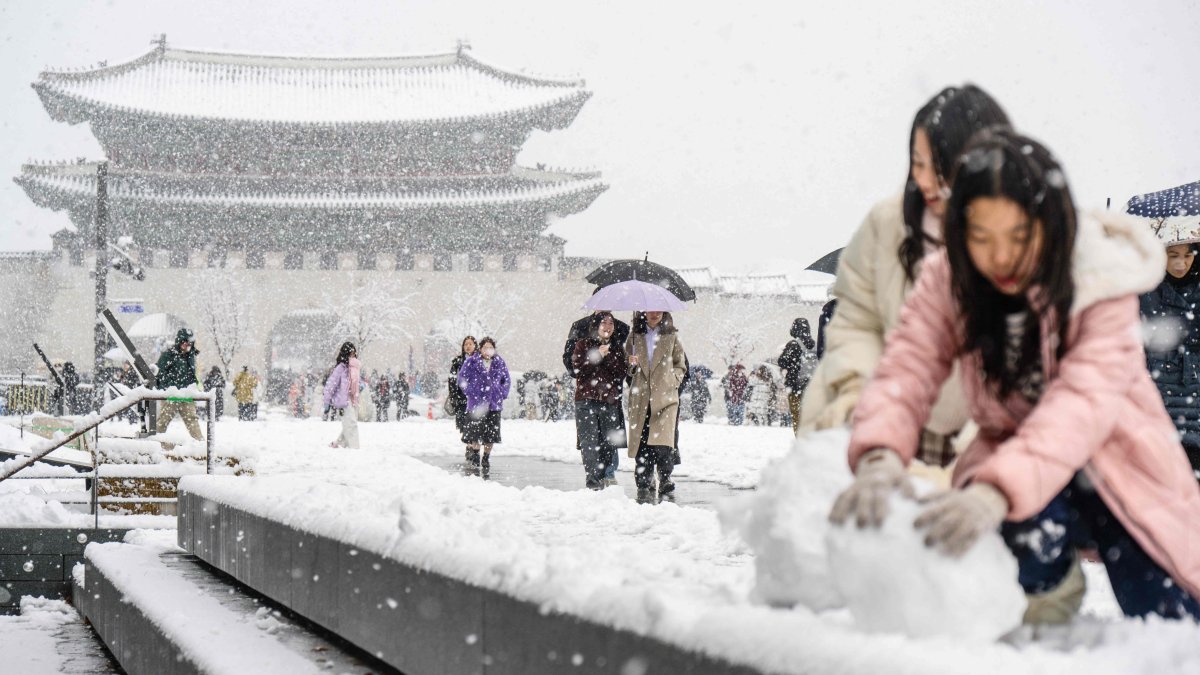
(53, 88)
(85, 109)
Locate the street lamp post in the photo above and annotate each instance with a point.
(101, 226)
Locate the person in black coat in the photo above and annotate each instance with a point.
(798, 363)
(400, 395)
(70, 378)
(1173, 343)
(215, 382)
(826, 316)
(462, 418)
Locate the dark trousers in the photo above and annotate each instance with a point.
(652, 457)
(1078, 518)
(596, 425)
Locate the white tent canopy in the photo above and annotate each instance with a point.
(158, 325)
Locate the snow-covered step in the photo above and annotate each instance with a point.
(412, 616)
(49, 637)
(161, 611)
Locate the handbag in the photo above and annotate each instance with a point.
(449, 408)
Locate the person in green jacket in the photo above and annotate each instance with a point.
(177, 368)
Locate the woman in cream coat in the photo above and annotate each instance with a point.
(657, 365)
(879, 266)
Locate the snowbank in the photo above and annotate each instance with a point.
(664, 571)
(18, 509)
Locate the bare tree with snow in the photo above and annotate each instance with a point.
(223, 316)
(376, 309)
(481, 309)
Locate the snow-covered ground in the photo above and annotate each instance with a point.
(49, 637)
(665, 570)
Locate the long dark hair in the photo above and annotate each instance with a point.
(803, 332)
(665, 327)
(597, 319)
(462, 347)
(949, 120)
(345, 352)
(1003, 163)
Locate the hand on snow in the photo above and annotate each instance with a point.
(880, 471)
(955, 519)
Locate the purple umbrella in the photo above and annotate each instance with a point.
(637, 296)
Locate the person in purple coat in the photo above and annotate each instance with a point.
(484, 379)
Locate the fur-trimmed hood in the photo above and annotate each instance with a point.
(1115, 254)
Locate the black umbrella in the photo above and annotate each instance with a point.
(616, 271)
(828, 262)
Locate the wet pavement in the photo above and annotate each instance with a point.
(522, 472)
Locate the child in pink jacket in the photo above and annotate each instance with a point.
(1075, 448)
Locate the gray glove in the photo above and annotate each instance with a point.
(880, 471)
(955, 519)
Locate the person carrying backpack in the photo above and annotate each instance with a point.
(798, 361)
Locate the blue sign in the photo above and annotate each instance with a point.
(130, 308)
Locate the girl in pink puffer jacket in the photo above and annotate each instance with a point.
(1075, 448)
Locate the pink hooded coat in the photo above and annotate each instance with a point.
(1100, 411)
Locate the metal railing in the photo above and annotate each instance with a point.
(109, 411)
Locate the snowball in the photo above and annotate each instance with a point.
(892, 582)
(785, 520)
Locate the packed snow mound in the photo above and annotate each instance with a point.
(784, 522)
(18, 509)
(893, 583)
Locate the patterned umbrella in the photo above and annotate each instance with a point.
(1173, 215)
(637, 296)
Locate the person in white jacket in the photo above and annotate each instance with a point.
(878, 267)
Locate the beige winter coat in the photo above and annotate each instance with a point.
(654, 386)
(870, 289)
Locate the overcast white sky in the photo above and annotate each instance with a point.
(749, 139)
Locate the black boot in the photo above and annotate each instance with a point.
(473, 457)
(666, 488)
(646, 496)
(486, 465)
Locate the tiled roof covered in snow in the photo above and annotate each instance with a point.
(56, 185)
(178, 83)
(698, 277)
(807, 287)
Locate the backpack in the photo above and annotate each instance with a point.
(808, 365)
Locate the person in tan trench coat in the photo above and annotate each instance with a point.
(657, 366)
